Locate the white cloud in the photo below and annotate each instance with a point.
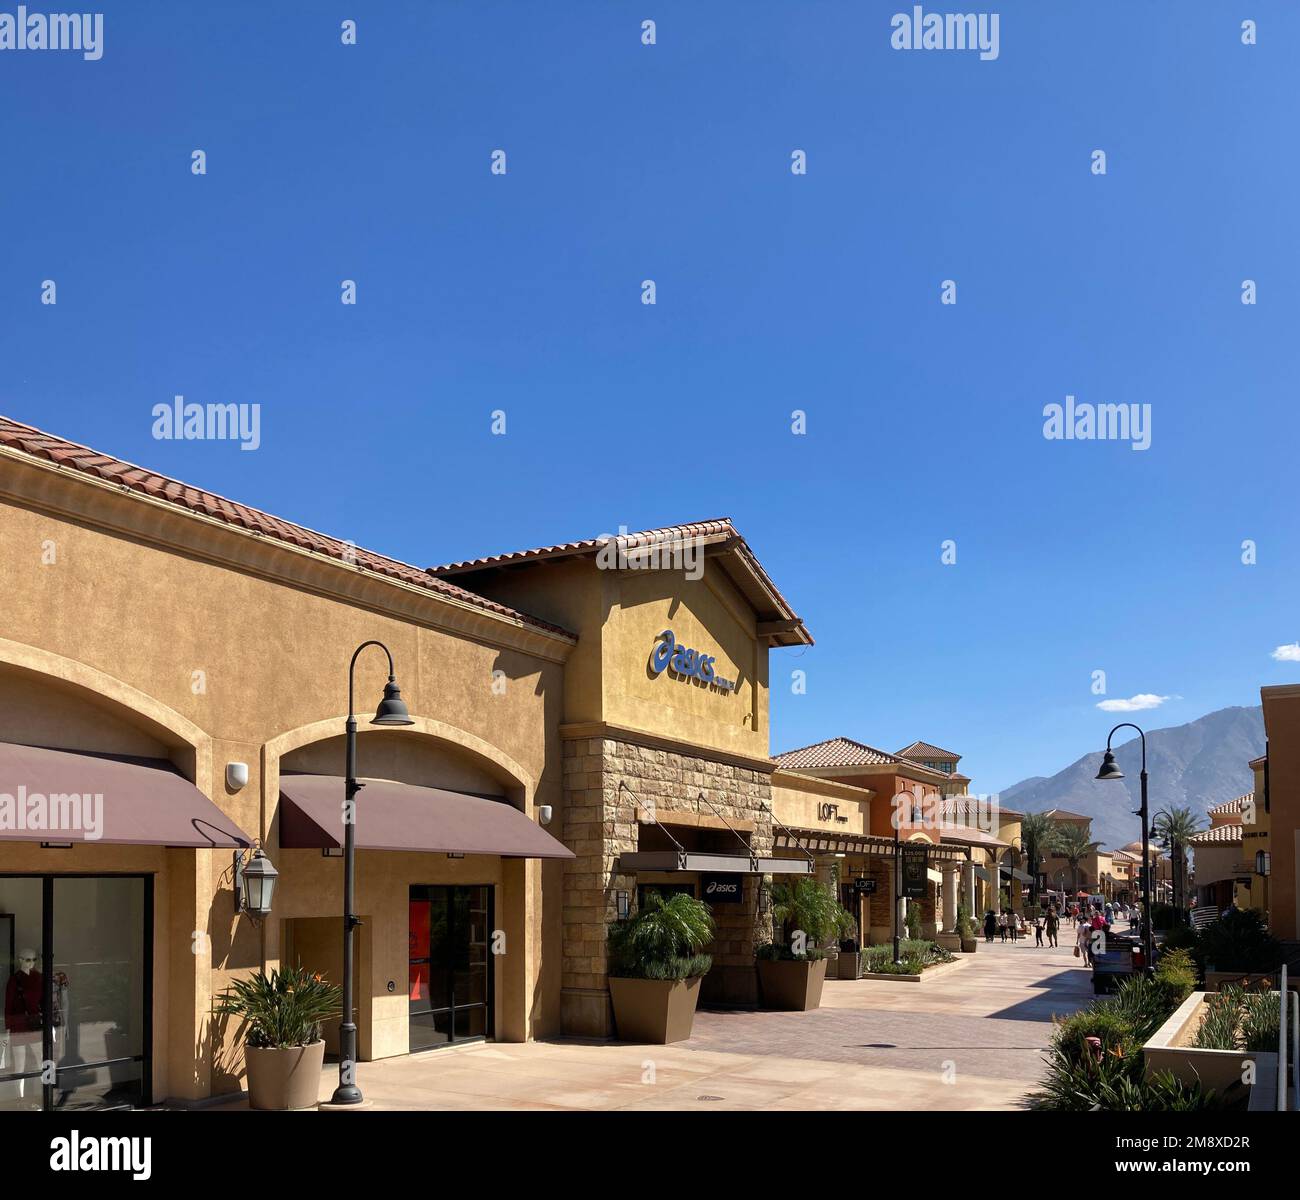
(1133, 703)
(1288, 653)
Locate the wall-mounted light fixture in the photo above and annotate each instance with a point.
(1263, 862)
(544, 814)
(624, 906)
(236, 775)
(255, 878)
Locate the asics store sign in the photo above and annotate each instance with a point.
(685, 663)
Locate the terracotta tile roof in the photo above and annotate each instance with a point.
(746, 571)
(35, 443)
(924, 750)
(1222, 835)
(845, 752)
(1229, 807)
(1257, 764)
(1064, 814)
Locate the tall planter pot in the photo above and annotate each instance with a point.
(792, 986)
(284, 1077)
(657, 1011)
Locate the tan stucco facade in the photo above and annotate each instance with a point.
(134, 628)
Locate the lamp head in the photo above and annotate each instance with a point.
(1109, 768)
(392, 708)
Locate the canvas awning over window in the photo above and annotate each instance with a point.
(65, 796)
(404, 816)
(1017, 873)
(983, 873)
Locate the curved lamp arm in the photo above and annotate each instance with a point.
(1140, 733)
(352, 668)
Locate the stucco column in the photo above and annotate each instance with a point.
(968, 889)
(950, 900)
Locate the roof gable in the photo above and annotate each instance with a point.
(718, 539)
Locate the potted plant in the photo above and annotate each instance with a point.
(792, 968)
(281, 1015)
(656, 966)
(966, 931)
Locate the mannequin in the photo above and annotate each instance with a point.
(25, 1018)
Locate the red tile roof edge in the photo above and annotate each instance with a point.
(38, 444)
(640, 540)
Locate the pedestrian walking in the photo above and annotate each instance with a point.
(990, 925)
(1038, 930)
(1002, 926)
(1052, 922)
(1083, 943)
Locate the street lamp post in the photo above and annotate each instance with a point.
(1110, 770)
(898, 885)
(391, 711)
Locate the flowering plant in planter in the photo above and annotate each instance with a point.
(283, 1049)
(282, 1009)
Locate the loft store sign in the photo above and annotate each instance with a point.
(685, 663)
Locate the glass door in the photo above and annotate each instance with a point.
(450, 977)
(76, 1003)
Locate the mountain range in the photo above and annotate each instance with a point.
(1199, 764)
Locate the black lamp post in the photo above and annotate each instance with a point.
(392, 711)
(1110, 770)
(898, 884)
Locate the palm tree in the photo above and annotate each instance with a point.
(1036, 833)
(1072, 843)
(1173, 829)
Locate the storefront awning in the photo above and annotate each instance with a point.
(982, 872)
(63, 796)
(1016, 873)
(403, 816)
(715, 864)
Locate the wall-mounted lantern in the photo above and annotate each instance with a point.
(1263, 862)
(254, 883)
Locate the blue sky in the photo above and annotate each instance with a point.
(774, 293)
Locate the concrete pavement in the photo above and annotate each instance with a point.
(971, 1038)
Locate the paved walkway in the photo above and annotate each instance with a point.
(971, 1038)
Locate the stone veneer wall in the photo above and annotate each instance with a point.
(601, 822)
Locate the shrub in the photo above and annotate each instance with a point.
(1237, 941)
(1260, 1016)
(1098, 1020)
(1218, 1028)
(913, 920)
(916, 955)
(1177, 969)
(663, 940)
(1147, 1003)
(284, 1008)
